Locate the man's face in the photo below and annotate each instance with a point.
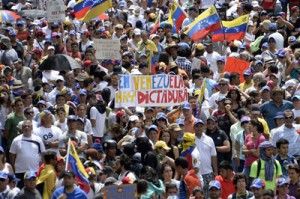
(257, 192)
(289, 118)
(211, 125)
(199, 129)
(284, 149)
(278, 97)
(3, 184)
(19, 106)
(68, 181)
(241, 184)
(172, 192)
(187, 113)
(214, 193)
(269, 152)
(30, 184)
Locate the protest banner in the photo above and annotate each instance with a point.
(236, 65)
(107, 48)
(150, 90)
(126, 191)
(55, 11)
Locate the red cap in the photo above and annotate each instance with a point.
(120, 114)
(44, 23)
(40, 33)
(36, 51)
(87, 63)
(294, 8)
(87, 33)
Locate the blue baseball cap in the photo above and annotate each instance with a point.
(161, 115)
(83, 92)
(72, 118)
(198, 121)
(123, 37)
(221, 98)
(13, 178)
(272, 27)
(266, 88)
(265, 45)
(143, 55)
(258, 62)
(186, 106)
(247, 72)
(214, 184)
(180, 122)
(3, 175)
(1, 149)
(153, 127)
(279, 115)
(20, 23)
(72, 32)
(281, 53)
(292, 39)
(257, 183)
(29, 174)
(12, 33)
(265, 144)
(221, 59)
(98, 147)
(122, 3)
(282, 181)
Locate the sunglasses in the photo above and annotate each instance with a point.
(222, 84)
(28, 113)
(291, 117)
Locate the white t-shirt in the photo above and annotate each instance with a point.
(207, 149)
(296, 113)
(212, 59)
(49, 135)
(98, 130)
(28, 153)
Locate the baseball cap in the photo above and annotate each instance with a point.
(255, 109)
(279, 115)
(186, 106)
(13, 178)
(42, 102)
(257, 183)
(153, 127)
(213, 118)
(296, 97)
(198, 121)
(291, 82)
(143, 55)
(292, 39)
(258, 62)
(247, 72)
(72, 118)
(162, 144)
(221, 59)
(133, 118)
(245, 119)
(3, 175)
(281, 53)
(272, 27)
(265, 88)
(69, 173)
(221, 98)
(265, 45)
(161, 115)
(29, 174)
(214, 184)
(282, 181)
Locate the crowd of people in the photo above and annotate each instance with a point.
(241, 141)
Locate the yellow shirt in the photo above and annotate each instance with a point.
(48, 177)
(149, 45)
(243, 86)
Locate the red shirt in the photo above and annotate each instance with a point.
(227, 186)
(191, 180)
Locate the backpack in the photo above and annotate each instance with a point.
(250, 195)
(254, 46)
(259, 167)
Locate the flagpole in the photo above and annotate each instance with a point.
(68, 152)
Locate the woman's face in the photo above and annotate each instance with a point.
(61, 114)
(81, 111)
(246, 126)
(4, 96)
(124, 119)
(161, 122)
(153, 135)
(168, 173)
(233, 95)
(89, 56)
(165, 137)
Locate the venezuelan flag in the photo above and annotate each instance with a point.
(73, 163)
(151, 64)
(232, 30)
(98, 7)
(202, 92)
(176, 17)
(156, 24)
(82, 7)
(207, 22)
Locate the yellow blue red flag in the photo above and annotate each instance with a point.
(82, 7)
(207, 22)
(232, 30)
(98, 7)
(73, 163)
(202, 92)
(176, 16)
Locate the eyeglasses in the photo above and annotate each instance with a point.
(28, 113)
(222, 84)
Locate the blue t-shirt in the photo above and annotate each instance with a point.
(76, 194)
